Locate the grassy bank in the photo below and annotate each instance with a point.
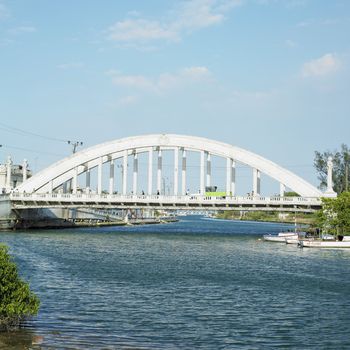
(301, 218)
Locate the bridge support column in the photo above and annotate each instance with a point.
(135, 173)
(125, 172)
(8, 173)
(25, 169)
(256, 182)
(159, 172)
(233, 179)
(183, 173)
(75, 180)
(150, 171)
(282, 189)
(87, 181)
(208, 169)
(99, 176)
(228, 176)
(111, 177)
(202, 185)
(176, 171)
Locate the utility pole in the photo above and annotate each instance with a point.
(75, 145)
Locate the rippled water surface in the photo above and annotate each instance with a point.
(198, 283)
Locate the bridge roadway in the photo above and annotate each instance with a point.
(21, 201)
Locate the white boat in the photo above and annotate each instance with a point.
(324, 244)
(296, 239)
(281, 237)
(293, 240)
(343, 243)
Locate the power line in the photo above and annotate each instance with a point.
(19, 131)
(33, 151)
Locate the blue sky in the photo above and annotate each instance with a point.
(271, 76)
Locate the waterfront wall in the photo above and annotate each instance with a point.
(49, 218)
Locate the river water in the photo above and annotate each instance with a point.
(195, 284)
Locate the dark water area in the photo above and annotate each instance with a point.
(195, 284)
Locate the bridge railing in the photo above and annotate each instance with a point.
(91, 197)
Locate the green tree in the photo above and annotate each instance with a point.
(341, 163)
(17, 302)
(334, 217)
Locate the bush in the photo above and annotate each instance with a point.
(17, 302)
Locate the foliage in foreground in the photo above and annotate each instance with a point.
(17, 302)
(334, 217)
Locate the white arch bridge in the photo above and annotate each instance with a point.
(60, 185)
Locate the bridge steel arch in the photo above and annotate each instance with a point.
(69, 168)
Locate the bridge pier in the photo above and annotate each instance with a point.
(228, 176)
(8, 173)
(208, 169)
(111, 177)
(75, 180)
(25, 169)
(233, 178)
(150, 171)
(87, 180)
(135, 173)
(201, 184)
(183, 173)
(99, 176)
(282, 189)
(159, 172)
(125, 172)
(176, 171)
(256, 182)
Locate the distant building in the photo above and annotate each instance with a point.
(12, 175)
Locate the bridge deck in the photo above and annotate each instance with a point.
(58, 200)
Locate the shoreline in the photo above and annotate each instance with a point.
(300, 221)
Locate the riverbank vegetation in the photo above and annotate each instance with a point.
(17, 301)
(334, 217)
(269, 216)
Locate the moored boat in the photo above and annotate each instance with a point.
(324, 244)
(342, 242)
(280, 237)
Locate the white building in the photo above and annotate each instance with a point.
(12, 175)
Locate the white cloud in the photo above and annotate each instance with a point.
(318, 22)
(22, 29)
(286, 3)
(139, 30)
(197, 14)
(190, 15)
(195, 73)
(164, 81)
(4, 12)
(127, 100)
(253, 95)
(134, 81)
(291, 43)
(70, 65)
(325, 65)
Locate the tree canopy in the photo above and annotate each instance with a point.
(17, 301)
(334, 217)
(341, 173)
